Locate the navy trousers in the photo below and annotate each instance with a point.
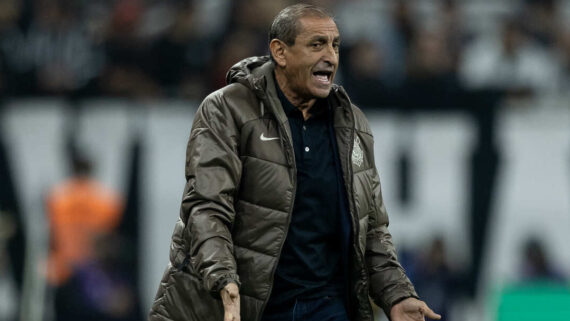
(321, 309)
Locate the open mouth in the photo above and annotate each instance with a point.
(323, 76)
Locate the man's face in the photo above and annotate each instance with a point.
(311, 63)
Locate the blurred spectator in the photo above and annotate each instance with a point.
(255, 17)
(79, 209)
(8, 292)
(368, 23)
(431, 80)
(82, 266)
(404, 22)
(452, 30)
(565, 59)
(9, 12)
(246, 36)
(14, 69)
(126, 54)
(433, 278)
(60, 51)
(236, 46)
(180, 55)
(363, 71)
(512, 62)
(142, 48)
(536, 266)
(541, 20)
(100, 289)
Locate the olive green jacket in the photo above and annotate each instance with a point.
(239, 197)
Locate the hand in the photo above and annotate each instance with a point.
(412, 309)
(230, 298)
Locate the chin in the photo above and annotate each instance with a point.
(321, 92)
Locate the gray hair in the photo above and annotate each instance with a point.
(285, 26)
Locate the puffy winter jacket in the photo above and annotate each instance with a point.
(239, 197)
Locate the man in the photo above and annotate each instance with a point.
(81, 211)
(282, 216)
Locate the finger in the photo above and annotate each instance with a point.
(429, 313)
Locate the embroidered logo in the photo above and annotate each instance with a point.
(263, 138)
(357, 155)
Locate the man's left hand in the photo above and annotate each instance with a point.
(412, 309)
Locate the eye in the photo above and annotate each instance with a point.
(316, 45)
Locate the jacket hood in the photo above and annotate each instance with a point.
(248, 72)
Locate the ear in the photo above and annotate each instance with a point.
(277, 48)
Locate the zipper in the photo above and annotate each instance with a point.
(355, 218)
(294, 176)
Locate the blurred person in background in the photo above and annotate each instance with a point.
(536, 264)
(512, 63)
(433, 277)
(13, 68)
(541, 21)
(364, 68)
(181, 54)
(60, 49)
(100, 287)
(8, 290)
(404, 20)
(45, 48)
(431, 80)
(126, 54)
(282, 216)
(82, 214)
(9, 13)
(245, 35)
(237, 45)
(564, 54)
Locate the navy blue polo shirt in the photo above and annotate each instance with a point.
(310, 264)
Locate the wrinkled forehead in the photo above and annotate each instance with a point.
(311, 25)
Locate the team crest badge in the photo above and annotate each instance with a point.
(357, 155)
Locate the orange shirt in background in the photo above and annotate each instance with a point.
(79, 211)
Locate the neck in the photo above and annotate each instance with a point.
(302, 103)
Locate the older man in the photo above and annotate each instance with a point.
(282, 216)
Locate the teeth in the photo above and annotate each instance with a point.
(322, 78)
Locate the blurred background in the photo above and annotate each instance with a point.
(469, 102)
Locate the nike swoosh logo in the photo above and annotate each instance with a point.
(263, 138)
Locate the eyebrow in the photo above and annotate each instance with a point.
(324, 39)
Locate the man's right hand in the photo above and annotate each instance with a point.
(230, 298)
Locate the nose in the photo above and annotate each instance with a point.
(330, 55)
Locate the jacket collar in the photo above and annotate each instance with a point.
(256, 73)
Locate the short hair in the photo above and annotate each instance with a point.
(285, 26)
(81, 166)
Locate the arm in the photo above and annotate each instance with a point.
(213, 171)
(388, 281)
(390, 287)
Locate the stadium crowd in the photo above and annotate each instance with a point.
(391, 50)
